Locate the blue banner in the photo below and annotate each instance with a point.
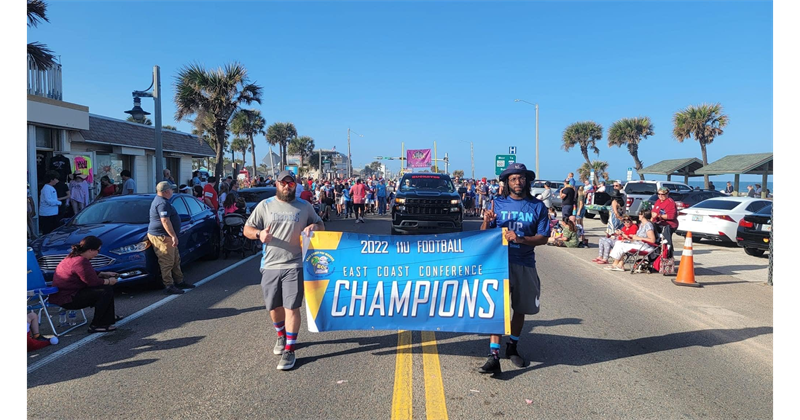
(455, 282)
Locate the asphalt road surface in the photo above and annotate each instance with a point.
(605, 345)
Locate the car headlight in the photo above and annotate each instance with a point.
(453, 202)
(399, 200)
(141, 246)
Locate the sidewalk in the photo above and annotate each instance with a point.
(710, 259)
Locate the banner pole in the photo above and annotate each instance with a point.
(435, 161)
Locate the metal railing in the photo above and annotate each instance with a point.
(46, 82)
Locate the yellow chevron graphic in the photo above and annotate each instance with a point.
(506, 304)
(314, 291)
(503, 235)
(325, 240)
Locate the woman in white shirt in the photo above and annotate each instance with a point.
(48, 204)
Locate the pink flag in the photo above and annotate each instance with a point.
(419, 158)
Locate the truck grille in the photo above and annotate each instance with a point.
(50, 262)
(427, 206)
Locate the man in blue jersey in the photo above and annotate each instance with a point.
(528, 226)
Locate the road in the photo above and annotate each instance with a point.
(605, 345)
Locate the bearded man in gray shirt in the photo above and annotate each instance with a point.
(278, 222)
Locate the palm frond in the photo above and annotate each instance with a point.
(42, 56)
(37, 12)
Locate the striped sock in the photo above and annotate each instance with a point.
(291, 338)
(495, 349)
(280, 328)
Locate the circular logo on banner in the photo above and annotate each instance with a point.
(319, 264)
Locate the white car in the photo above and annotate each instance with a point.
(717, 219)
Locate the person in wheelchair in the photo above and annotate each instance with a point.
(643, 240)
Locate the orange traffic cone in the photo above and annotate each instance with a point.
(686, 269)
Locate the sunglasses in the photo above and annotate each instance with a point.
(662, 193)
(289, 184)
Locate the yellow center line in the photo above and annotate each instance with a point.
(401, 399)
(435, 406)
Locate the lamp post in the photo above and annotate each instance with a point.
(349, 156)
(139, 114)
(537, 133)
(471, 157)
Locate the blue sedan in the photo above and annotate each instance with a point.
(121, 223)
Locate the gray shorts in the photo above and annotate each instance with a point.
(525, 289)
(282, 288)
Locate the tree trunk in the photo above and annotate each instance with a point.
(705, 163)
(253, 155)
(585, 153)
(638, 165)
(220, 134)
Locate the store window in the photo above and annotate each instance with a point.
(111, 165)
(46, 138)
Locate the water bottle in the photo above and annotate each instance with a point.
(73, 318)
(62, 318)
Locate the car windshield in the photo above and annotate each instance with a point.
(256, 196)
(717, 204)
(766, 211)
(640, 188)
(134, 211)
(426, 182)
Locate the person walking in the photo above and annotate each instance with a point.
(163, 235)
(278, 223)
(381, 197)
(358, 193)
(348, 201)
(528, 226)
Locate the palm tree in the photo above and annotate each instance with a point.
(303, 146)
(249, 123)
(41, 55)
(280, 134)
(704, 123)
(213, 96)
(630, 131)
(599, 168)
(241, 145)
(584, 134)
(146, 121)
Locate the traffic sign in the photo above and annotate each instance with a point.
(630, 173)
(512, 150)
(501, 162)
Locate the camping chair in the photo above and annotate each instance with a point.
(641, 258)
(39, 295)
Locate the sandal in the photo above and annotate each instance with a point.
(93, 329)
(602, 262)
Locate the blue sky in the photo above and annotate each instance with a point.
(419, 72)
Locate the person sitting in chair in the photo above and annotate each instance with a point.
(640, 242)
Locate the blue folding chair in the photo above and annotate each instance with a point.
(39, 295)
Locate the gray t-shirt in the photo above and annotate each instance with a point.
(286, 222)
(130, 184)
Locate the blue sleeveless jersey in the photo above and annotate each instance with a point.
(526, 217)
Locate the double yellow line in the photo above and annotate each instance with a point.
(435, 407)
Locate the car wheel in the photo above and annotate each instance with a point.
(590, 215)
(754, 252)
(215, 248)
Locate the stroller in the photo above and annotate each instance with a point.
(233, 239)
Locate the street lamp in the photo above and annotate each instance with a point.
(537, 133)
(350, 157)
(139, 114)
(471, 157)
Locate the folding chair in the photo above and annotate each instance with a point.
(640, 258)
(39, 295)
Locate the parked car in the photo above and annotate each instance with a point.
(255, 195)
(753, 233)
(538, 187)
(717, 219)
(638, 191)
(121, 223)
(688, 198)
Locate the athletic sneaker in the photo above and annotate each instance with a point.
(279, 345)
(287, 361)
(513, 354)
(362, 220)
(492, 365)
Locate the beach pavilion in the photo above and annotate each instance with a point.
(749, 164)
(678, 167)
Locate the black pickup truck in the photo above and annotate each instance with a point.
(426, 203)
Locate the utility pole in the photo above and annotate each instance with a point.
(537, 140)
(472, 157)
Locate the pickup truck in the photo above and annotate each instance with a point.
(638, 191)
(426, 203)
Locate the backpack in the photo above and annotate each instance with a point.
(326, 197)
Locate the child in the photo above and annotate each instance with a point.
(77, 194)
(37, 341)
(241, 206)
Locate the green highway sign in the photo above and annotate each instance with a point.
(501, 162)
